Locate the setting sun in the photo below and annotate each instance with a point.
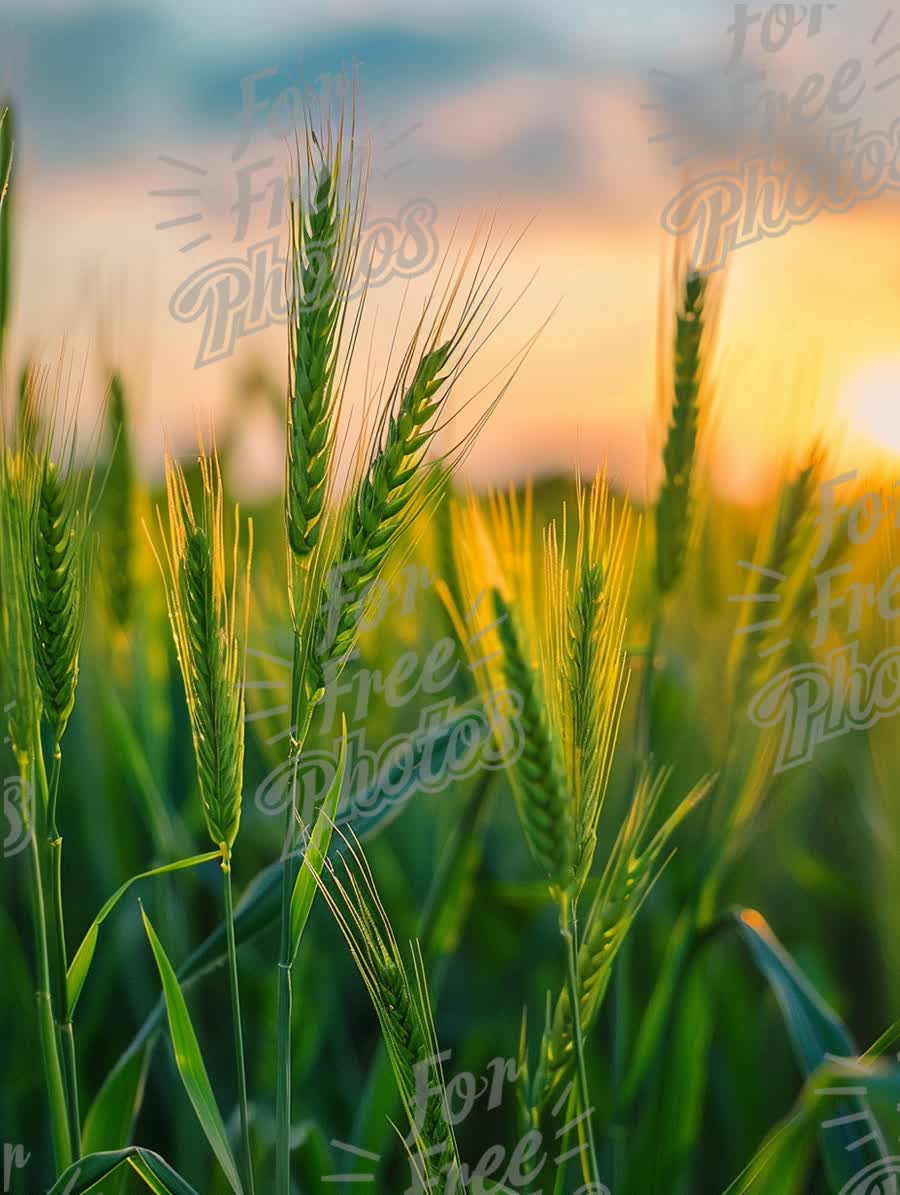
(870, 402)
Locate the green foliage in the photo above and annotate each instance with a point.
(189, 1061)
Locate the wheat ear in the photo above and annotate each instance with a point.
(324, 230)
(18, 671)
(120, 509)
(203, 611)
(760, 640)
(59, 568)
(403, 1009)
(583, 653)
(396, 481)
(683, 395)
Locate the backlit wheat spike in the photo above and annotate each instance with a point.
(402, 1006)
(538, 779)
(684, 396)
(382, 503)
(324, 242)
(492, 551)
(761, 641)
(628, 877)
(583, 657)
(498, 630)
(208, 638)
(394, 475)
(565, 668)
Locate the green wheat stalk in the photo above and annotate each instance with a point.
(58, 514)
(20, 693)
(392, 489)
(210, 642)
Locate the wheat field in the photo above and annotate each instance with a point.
(391, 836)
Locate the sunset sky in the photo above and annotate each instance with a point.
(544, 115)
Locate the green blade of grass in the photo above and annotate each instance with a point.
(781, 1162)
(92, 1169)
(81, 963)
(110, 1119)
(190, 1063)
(818, 1037)
(780, 1165)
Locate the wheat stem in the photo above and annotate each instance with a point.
(283, 1060)
(59, 970)
(301, 715)
(68, 1039)
(56, 1095)
(54, 867)
(237, 1026)
(56, 928)
(568, 922)
(643, 744)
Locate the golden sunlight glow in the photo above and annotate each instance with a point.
(870, 402)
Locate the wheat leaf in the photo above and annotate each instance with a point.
(190, 1063)
(92, 1169)
(81, 963)
(818, 1036)
(111, 1117)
